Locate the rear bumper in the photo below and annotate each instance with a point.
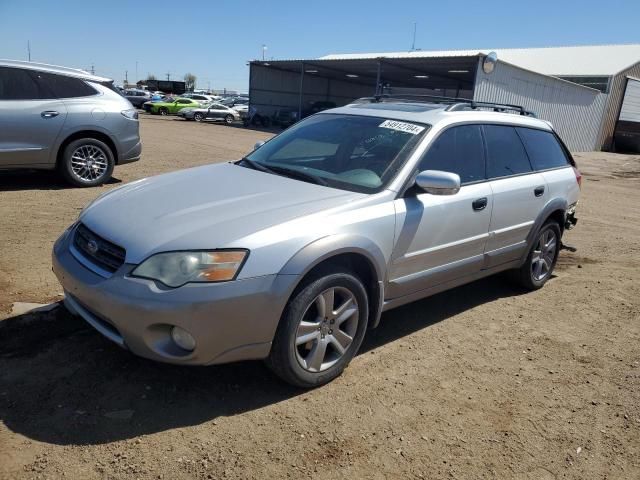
(131, 155)
(230, 321)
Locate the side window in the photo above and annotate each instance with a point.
(184, 101)
(543, 148)
(65, 87)
(457, 150)
(505, 153)
(18, 84)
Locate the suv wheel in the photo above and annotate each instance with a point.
(87, 162)
(321, 330)
(537, 269)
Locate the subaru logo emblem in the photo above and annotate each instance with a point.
(92, 246)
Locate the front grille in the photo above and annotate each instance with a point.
(97, 250)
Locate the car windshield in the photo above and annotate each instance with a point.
(351, 152)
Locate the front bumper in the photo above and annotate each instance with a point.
(230, 321)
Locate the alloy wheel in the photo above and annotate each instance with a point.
(544, 255)
(327, 329)
(89, 162)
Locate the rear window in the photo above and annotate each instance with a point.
(505, 152)
(65, 87)
(543, 148)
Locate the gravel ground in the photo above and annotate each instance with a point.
(484, 381)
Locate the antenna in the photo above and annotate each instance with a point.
(29, 50)
(413, 44)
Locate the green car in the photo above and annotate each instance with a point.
(167, 108)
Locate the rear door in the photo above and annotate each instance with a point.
(519, 194)
(31, 119)
(442, 237)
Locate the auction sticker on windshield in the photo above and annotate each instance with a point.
(402, 126)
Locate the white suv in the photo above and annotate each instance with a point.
(291, 253)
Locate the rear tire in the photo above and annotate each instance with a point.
(198, 117)
(87, 162)
(163, 111)
(229, 119)
(542, 258)
(321, 330)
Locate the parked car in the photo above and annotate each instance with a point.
(198, 97)
(170, 106)
(317, 107)
(212, 112)
(292, 253)
(233, 101)
(66, 119)
(285, 117)
(137, 97)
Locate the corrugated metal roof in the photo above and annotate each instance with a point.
(592, 60)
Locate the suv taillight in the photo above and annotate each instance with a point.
(578, 176)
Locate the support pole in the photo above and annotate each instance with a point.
(300, 92)
(378, 89)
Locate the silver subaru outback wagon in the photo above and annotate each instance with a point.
(66, 119)
(291, 253)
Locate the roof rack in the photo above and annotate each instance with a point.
(455, 103)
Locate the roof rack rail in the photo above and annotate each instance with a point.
(496, 107)
(455, 103)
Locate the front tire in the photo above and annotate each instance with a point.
(542, 258)
(163, 111)
(229, 119)
(87, 162)
(198, 117)
(321, 330)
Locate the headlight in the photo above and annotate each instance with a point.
(174, 269)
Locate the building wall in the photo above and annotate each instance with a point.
(574, 111)
(614, 102)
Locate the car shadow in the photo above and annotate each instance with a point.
(14, 180)
(63, 383)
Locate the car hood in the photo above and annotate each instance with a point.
(214, 206)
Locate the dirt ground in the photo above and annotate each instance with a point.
(484, 381)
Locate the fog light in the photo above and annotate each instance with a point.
(183, 339)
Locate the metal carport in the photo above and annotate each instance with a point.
(296, 84)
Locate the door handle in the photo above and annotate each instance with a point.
(49, 114)
(538, 191)
(479, 203)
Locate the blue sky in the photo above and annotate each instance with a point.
(214, 39)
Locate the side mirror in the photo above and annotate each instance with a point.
(437, 182)
(258, 145)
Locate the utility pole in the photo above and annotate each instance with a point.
(93, 70)
(29, 50)
(168, 76)
(264, 50)
(126, 78)
(413, 44)
(136, 79)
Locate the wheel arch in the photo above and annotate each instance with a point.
(354, 253)
(95, 134)
(555, 209)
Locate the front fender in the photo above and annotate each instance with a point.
(324, 248)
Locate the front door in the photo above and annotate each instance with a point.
(30, 120)
(440, 238)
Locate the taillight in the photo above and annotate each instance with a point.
(578, 176)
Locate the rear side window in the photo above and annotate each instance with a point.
(543, 148)
(65, 87)
(457, 150)
(505, 152)
(18, 84)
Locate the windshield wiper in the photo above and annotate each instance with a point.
(285, 172)
(255, 165)
(307, 177)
